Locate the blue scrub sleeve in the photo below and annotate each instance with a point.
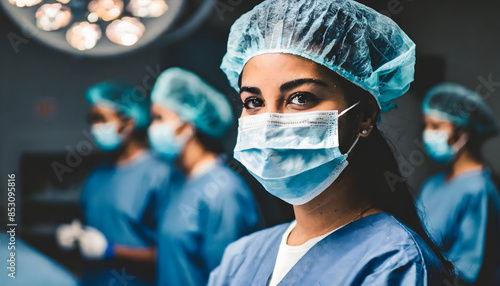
(467, 250)
(229, 218)
(153, 209)
(148, 225)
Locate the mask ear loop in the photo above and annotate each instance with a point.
(353, 144)
(357, 138)
(127, 132)
(186, 135)
(347, 109)
(461, 142)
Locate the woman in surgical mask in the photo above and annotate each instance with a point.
(461, 205)
(313, 77)
(215, 206)
(122, 197)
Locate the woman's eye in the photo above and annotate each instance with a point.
(302, 98)
(252, 103)
(95, 118)
(155, 117)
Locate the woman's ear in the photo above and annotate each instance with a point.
(128, 125)
(458, 134)
(185, 128)
(368, 116)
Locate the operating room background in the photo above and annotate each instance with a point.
(43, 109)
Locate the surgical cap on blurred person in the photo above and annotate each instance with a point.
(353, 40)
(460, 106)
(194, 101)
(121, 97)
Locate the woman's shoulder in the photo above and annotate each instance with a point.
(385, 230)
(375, 250)
(378, 232)
(386, 236)
(380, 248)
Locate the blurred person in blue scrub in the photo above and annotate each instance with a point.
(121, 198)
(313, 78)
(461, 205)
(215, 206)
(30, 267)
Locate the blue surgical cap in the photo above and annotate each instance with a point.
(194, 101)
(353, 40)
(121, 97)
(460, 106)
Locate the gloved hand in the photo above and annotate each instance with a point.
(68, 234)
(94, 245)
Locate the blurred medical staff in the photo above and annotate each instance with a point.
(215, 206)
(121, 198)
(30, 266)
(461, 205)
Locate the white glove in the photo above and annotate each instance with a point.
(68, 234)
(93, 243)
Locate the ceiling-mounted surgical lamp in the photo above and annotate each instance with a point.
(106, 27)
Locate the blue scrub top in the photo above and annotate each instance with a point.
(200, 220)
(32, 267)
(125, 202)
(375, 250)
(462, 216)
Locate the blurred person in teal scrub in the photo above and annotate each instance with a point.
(122, 197)
(215, 206)
(461, 205)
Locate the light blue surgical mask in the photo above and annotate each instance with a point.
(294, 156)
(163, 140)
(436, 145)
(106, 136)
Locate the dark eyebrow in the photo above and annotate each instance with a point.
(254, 90)
(286, 86)
(298, 82)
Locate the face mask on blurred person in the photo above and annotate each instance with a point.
(294, 156)
(106, 136)
(436, 145)
(164, 141)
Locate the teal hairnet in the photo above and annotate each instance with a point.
(355, 41)
(193, 100)
(460, 106)
(122, 97)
